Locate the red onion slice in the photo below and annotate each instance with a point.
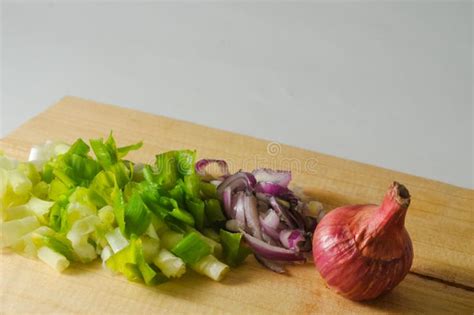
(204, 167)
(271, 219)
(292, 239)
(271, 252)
(281, 178)
(271, 188)
(239, 209)
(282, 213)
(272, 233)
(267, 213)
(227, 202)
(272, 265)
(292, 213)
(251, 215)
(237, 182)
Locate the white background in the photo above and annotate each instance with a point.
(386, 83)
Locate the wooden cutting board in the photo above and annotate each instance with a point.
(440, 221)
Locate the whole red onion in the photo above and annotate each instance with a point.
(363, 251)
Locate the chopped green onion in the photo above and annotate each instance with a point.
(151, 232)
(192, 185)
(191, 248)
(57, 189)
(74, 203)
(106, 215)
(185, 162)
(214, 211)
(41, 190)
(12, 231)
(151, 247)
(79, 236)
(182, 216)
(169, 264)
(19, 182)
(137, 216)
(39, 207)
(56, 242)
(53, 259)
(211, 267)
(212, 234)
(196, 208)
(170, 238)
(116, 240)
(208, 190)
(123, 151)
(105, 255)
(131, 262)
(26, 246)
(216, 248)
(167, 172)
(234, 251)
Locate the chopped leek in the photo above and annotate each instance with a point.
(53, 259)
(170, 238)
(234, 251)
(106, 215)
(151, 247)
(74, 203)
(26, 246)
(211, 267)
(56, 242)
(191, 248)
(136, 215)
(214, 211)
(169, 264)
(79, 237)
(12, 231)
(130, 261)
(116, 240)
(34, 206)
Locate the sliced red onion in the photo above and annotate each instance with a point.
(267, 213)
(237, 182)
(271, 252)
(271, 232)
(281, 192)
(227, 201)
(251, 215)
(203, 169)
(292, 239)
(282, 213)
(272, 265)
(271, 188)
(271, 219)
(291, 212)
(281, 178)
(239, 209)
(290, 198)
(299, 218)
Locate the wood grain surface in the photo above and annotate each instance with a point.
(440, 221)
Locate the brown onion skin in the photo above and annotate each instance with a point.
(363, 251)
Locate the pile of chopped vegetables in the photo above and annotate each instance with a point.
(149, 222)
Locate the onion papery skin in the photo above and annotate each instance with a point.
(364, 251)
